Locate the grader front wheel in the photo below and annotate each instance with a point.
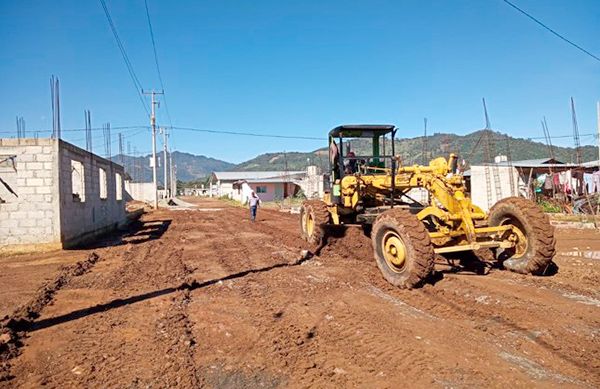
(402, 248)
(313, 216)
(532, 234)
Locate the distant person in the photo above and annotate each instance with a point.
(253, 202)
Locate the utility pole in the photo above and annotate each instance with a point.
(165, 176)
(153, 125)
(598, 124)
(173, 180)
(424, 158)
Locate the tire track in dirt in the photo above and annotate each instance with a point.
(505, 318)
(98, 349)
(13, 327)
(174, 331)
(441, 302)
(301, 348)
(253, 246)
(238, 247)
(173, 328)
(532, 320)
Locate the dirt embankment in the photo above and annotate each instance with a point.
(206, 298)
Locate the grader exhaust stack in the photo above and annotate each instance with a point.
(406, 233)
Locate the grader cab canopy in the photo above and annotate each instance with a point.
(361, 130)
(342, 157)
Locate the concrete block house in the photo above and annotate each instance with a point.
(54, 194)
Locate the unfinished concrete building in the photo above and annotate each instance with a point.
(54, 194)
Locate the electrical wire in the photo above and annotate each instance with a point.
(552, 31)
(113, 141)
(247, 133)
(162, 85)
(126, 128)
(134, 78)
(145, 127)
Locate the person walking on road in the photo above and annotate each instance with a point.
(253, 202)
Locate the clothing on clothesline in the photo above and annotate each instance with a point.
(595, 182)
(556, 180)
(548, 182)
(562, 179)
(588, 178)
(577, 182)
(565, 181)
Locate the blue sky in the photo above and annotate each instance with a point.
(300, 68)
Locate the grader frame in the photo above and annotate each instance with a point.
(374, 190)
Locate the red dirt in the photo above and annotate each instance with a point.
(206, 298)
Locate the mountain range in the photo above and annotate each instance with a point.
(474, 148)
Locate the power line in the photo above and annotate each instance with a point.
(561, 136)
(247, 133)
(162, 85)
(112, 142)
(134, 79)
(552, 31)
(130, 128)
(85, 129)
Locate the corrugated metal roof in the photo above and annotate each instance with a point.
(540, 163)
(532, 162)
(272, 180)
(234, 176)
(590, 164)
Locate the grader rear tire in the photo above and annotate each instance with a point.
(535, 240)
(313, 216)
(402, 248)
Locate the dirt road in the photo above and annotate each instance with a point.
(205, 298)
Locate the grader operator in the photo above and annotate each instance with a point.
(407, 234)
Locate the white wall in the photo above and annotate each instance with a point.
(140, 191)
(226, 189)
(244, 194)
(479, 191)
(312, 184)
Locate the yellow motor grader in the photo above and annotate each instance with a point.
(407, 233)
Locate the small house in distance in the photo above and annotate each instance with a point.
(268, 185)
(54, 194)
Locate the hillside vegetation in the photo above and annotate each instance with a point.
(192, 167)
(411, 151)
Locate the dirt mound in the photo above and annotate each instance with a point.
(347, 242)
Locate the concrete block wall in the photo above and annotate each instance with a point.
(29, 191)
(82, 218)
(141, 191)
(479, 193)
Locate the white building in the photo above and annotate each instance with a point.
(490, 183)
(269, 185)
